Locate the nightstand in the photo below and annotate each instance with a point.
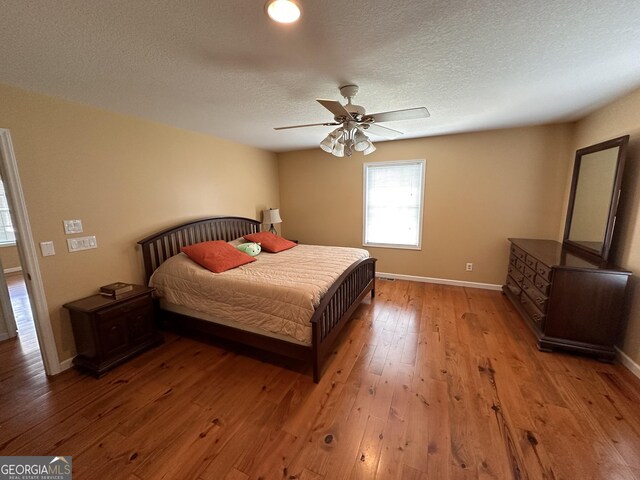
(109, 331)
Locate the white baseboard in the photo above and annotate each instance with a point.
(66, 364)
(626, 360)
(441, 281)
(12, 270)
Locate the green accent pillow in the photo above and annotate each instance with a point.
(250, 248)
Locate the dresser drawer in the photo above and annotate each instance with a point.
(529, 274)
(535, 295)
(519, 254)
(543, 271)
(536, 315)
(531, 262)
(542, 285)
(515, 274)
(513, 285)
(513, 260)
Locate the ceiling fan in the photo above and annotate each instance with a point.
(353, 121)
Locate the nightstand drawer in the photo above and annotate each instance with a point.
(113, 337)
(125, 308)
(140, 324)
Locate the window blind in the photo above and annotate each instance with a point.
(393, 203)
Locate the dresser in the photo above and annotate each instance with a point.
(109, 331)
(569, 302)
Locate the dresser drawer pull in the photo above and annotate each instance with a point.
(525, 287)
(536, 317)
(539, 300)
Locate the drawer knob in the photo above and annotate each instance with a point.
(540, 300)
(536, 317)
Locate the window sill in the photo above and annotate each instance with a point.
(388, 245)
(8, 244)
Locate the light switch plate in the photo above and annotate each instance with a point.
(81, 243)
(72, 226)
(47, 249)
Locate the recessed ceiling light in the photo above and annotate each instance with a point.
(283, 11)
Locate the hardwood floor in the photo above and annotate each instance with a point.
(429, 381)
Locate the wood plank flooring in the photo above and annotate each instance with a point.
(428, 381)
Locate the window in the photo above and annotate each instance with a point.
(393, 193)
(7, 234)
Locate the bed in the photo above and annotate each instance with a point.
(312, 342)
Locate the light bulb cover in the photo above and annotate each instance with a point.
(338, 149)
(330, 140)
(283, 11)
(361, 141)
(370, 149)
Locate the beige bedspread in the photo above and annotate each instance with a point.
(277, 293)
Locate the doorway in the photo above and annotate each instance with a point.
(28, 257)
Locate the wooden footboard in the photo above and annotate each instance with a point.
(336, 307)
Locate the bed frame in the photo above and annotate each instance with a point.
(329, 318)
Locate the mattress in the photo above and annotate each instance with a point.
(277, 294)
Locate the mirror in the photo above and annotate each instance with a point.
(595, 191)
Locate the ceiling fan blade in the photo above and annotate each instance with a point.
(335, 107)
(381, 131)
(406, 114)
(308, 125)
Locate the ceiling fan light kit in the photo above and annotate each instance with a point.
(353, 121)
(283, 11)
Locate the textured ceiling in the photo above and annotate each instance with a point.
(220, 67)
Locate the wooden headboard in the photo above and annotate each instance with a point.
(160, 246)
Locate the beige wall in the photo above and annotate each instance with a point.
(623, 118)
(9, 256)
(124, 178)
(481, 188)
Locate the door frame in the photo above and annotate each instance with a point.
(28, 255)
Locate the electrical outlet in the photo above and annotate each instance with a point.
(469, 267)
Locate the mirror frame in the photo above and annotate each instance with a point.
(603, 254)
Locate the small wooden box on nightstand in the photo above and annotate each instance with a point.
(109, 331)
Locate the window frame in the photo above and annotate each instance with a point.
(6, 243)
(423, 163)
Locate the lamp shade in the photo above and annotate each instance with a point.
(271, 216)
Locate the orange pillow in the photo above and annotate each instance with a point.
(217, 256)
(269, 242)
